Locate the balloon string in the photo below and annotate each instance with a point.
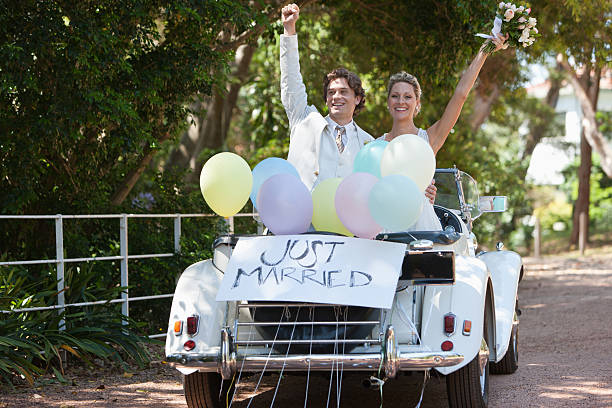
(268, 358)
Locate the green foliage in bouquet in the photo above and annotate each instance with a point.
(517, 23)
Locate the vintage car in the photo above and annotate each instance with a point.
(454, 311)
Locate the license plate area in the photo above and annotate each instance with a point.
(428, 268)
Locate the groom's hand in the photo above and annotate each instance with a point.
(289, 15)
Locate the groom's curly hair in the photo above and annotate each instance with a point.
(353, 81)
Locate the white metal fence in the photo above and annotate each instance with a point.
(123, 257)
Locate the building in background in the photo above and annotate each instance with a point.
(552, 155)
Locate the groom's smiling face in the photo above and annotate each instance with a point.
(341, 101)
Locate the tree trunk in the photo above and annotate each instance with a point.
(212, 121)
(498, 68)
(589, 123)
(130, 180)
(584, 187)
(590, 86)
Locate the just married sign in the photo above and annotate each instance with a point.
(313, 268)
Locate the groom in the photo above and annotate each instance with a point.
(320, 147)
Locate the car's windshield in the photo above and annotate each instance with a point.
(470, 194)
(446, 196)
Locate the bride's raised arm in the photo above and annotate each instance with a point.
(440, 130)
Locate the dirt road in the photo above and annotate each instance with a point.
(565, 359)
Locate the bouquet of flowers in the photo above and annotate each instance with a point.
(517, 23)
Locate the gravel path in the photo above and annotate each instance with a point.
(565, 359)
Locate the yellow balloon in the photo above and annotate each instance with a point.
(324, 217)
(225, 182)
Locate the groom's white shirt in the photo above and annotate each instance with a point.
(312, 144)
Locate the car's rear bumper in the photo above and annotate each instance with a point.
(389, 357)
(317, 362)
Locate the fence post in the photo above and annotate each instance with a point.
(231, 225)
(537, 238)
(59, 256)
(123, 239)
(177, 234)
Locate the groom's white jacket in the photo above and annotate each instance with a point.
(308, 127)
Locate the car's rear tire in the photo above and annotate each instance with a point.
(207, 390)
(508, 364)
(469, 386)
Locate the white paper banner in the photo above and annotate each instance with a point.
(313, 268)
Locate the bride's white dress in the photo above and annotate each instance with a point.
(428, 221)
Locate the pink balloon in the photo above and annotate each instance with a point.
(352, 205)
(284, 204)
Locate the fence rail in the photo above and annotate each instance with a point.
(124, 256)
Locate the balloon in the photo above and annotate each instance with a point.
(411, 156)
(395, 202)
(369, 157)
(267, 168)
(352, 204)
(284, 204)
(324, 217)
(225, 182)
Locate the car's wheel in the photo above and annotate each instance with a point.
(206, 390)
(469, 386)
(509, 363)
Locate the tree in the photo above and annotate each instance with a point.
(579, 34)
(89, 92)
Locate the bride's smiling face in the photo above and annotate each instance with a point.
(402, 101)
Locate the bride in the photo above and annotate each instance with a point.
(404, 103)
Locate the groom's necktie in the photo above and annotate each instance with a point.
(340, 130)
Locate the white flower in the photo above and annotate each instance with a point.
(532, 22)
(522, 19)
(521, 27)
(525, 32)
(520, 9)
(525, 45)
(509, 14)
(513, 7)
(535, 30)
(502, 5)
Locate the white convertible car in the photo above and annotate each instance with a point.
(454, 311)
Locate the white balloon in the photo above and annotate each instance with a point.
(410, 156)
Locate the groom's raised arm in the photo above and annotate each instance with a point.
(293, 91)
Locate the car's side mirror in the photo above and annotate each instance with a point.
(493, 203)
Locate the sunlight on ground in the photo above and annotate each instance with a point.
(580, 390)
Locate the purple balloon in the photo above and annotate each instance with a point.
(285, 205)
(352, 205)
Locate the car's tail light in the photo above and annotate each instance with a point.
(449, 324)
(189, 345)
(192, 325)
(447, 345)
(178, 327)
(467, 327)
